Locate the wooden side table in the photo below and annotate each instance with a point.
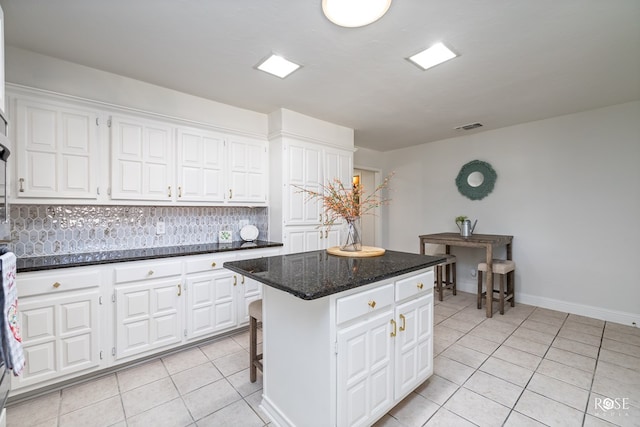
(486, 241)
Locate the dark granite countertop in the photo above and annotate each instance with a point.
(107, 257)
(316, 274)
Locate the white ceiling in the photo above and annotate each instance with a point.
(520, 60)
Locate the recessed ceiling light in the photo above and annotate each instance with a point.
(354, 13)
(278, 66)
(436, 54)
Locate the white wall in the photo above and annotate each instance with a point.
(568, 190)
(43, 72)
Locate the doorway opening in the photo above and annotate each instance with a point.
(370, 222)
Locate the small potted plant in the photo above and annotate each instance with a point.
(460, 219)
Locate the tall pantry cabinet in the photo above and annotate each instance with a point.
(305, 153)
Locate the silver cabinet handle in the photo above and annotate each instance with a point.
(169, 191)
(21, 185)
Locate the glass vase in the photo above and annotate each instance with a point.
(352, 235)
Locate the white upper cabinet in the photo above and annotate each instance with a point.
(67, 150)
(56, 150)
(312, 167)
(247, 168)
(141, 160)
(302, 170)
(201, 169)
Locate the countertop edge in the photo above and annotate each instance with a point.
(54, 262)
(336, 289)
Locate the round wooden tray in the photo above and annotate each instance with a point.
(366, 252)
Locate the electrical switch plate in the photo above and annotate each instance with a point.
(160, 227)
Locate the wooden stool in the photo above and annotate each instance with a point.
(449, 266)
(502, 267)
(255, 359)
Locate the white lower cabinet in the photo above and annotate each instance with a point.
(365, 370)
(75, 321)
(60, 320)
(211, 296)
(387, 352)
(148, 316)
(414, 344)
(383, 339)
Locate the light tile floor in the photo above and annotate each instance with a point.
(528, 367)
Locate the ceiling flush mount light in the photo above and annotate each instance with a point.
(278, 66)
(354, 13)
(436, 54)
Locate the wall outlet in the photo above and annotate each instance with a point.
(243, 222)
(160, 227)
(473, 272)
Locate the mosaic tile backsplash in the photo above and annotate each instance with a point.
(38, 230)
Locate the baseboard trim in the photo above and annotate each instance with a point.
(630, 319)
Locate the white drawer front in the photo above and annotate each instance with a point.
(209, 262)
(364, 302)
(57, 280)
(420, 284)
(161, 267)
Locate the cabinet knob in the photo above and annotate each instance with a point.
(372, 304)
(21, 185)
(179, 191)
(420, 286)
(56, 285)
(230, 194)
(404, 323)
(169, 191)
(242, 282)
(150, 273)
(179, 289)
(235, 280)
(213, 264)
(393, 323)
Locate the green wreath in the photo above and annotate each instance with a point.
(481, 191)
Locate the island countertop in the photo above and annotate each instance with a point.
(316, 274)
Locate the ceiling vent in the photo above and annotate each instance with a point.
(469, 126)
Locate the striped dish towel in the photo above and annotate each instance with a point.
(9, 328)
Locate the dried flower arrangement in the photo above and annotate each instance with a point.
(347, 203)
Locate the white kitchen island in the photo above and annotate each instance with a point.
(344, 339)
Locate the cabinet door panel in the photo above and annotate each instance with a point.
(303, 239)
(414, 344)
(60, 335)
(147, 316)
(251, 290)
(141, 159)
(211, 303)
(303, 170)
(247, 174)
(57, 148)
(364, 370)
(45, 180)
(200, 165)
